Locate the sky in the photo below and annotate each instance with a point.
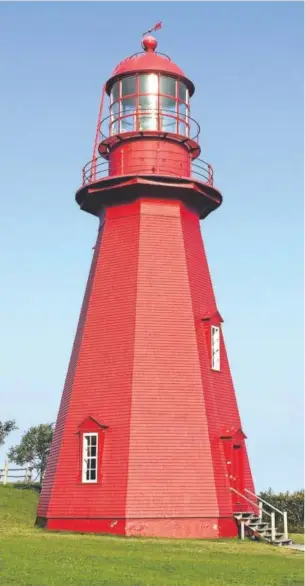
(246, 60)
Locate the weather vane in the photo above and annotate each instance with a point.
(154, 28)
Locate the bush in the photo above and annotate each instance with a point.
(293, 503)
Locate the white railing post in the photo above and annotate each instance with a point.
(283, 513)
(242, 530)
(272, 527)
(285, 518)
(260, 507)
(5, 472)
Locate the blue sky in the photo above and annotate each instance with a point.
(246, 60)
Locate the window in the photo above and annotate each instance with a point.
(128, 85)
(128, 108)
(148, 84)
(148, 122)
(183, 92)
(90, 459)
(168, 86)
(183, 120)
(115, 91)
(149, 102)
(215, 347)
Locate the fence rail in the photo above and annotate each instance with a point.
(5, 473)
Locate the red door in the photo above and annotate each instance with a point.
(234, 455)
(237, 480)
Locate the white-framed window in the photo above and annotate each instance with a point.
(215, 347)
(90, 457)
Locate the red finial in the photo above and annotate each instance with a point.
(149, 43)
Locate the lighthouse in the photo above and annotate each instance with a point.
(148, 439)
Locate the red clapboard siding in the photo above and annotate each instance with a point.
(140, 365)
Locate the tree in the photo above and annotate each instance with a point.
(5, 429)
(34, 448)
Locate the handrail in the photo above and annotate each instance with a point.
(283, 513)
(249, 500)
(143, 53)
(263, 501)
(157, 114)
(99, 168)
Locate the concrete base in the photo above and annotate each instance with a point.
(186, 528)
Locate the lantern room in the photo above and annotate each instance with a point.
(153, 97)
(147, 136)
(149, 101)
(149, 98)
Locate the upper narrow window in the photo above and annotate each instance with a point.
(90, 459)
(215, 347)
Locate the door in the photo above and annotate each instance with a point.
(237, 480)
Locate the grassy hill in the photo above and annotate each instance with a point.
(33, 557)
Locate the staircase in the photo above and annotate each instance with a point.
(252, 525)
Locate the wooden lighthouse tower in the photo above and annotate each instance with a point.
(148, 439)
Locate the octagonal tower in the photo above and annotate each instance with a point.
(148, 439)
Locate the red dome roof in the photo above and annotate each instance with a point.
(148, 61)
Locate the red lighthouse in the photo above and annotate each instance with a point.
(148, 439)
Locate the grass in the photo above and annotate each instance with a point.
(297, 537)
(33, 557)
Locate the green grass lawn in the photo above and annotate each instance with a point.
(33, 557)
(297, 537)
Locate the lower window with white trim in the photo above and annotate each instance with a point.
(90, 457)
(215, 347)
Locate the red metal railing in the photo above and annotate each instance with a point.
(98, 168)
(165, 122)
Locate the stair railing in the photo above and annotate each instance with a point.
(283, 513)
(261, 511)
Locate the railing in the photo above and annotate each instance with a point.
(283, 513)
(143, 53)
(5, 473)
(151, 120)
(262, 511)
(133, 56)
(159, 164)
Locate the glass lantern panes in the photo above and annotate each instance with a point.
(90, 448)
(168, 114)
(148, 83)
(183, 119)
(128, 109)
(129, 85)
(114, 118)
(148, 121)
(115, 108)
(168, 85)
(149, 101)
(183, 92)
(168, 104)
(115, 91)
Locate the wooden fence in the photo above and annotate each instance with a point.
(15, 474)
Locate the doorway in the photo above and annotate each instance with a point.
(234, 456)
